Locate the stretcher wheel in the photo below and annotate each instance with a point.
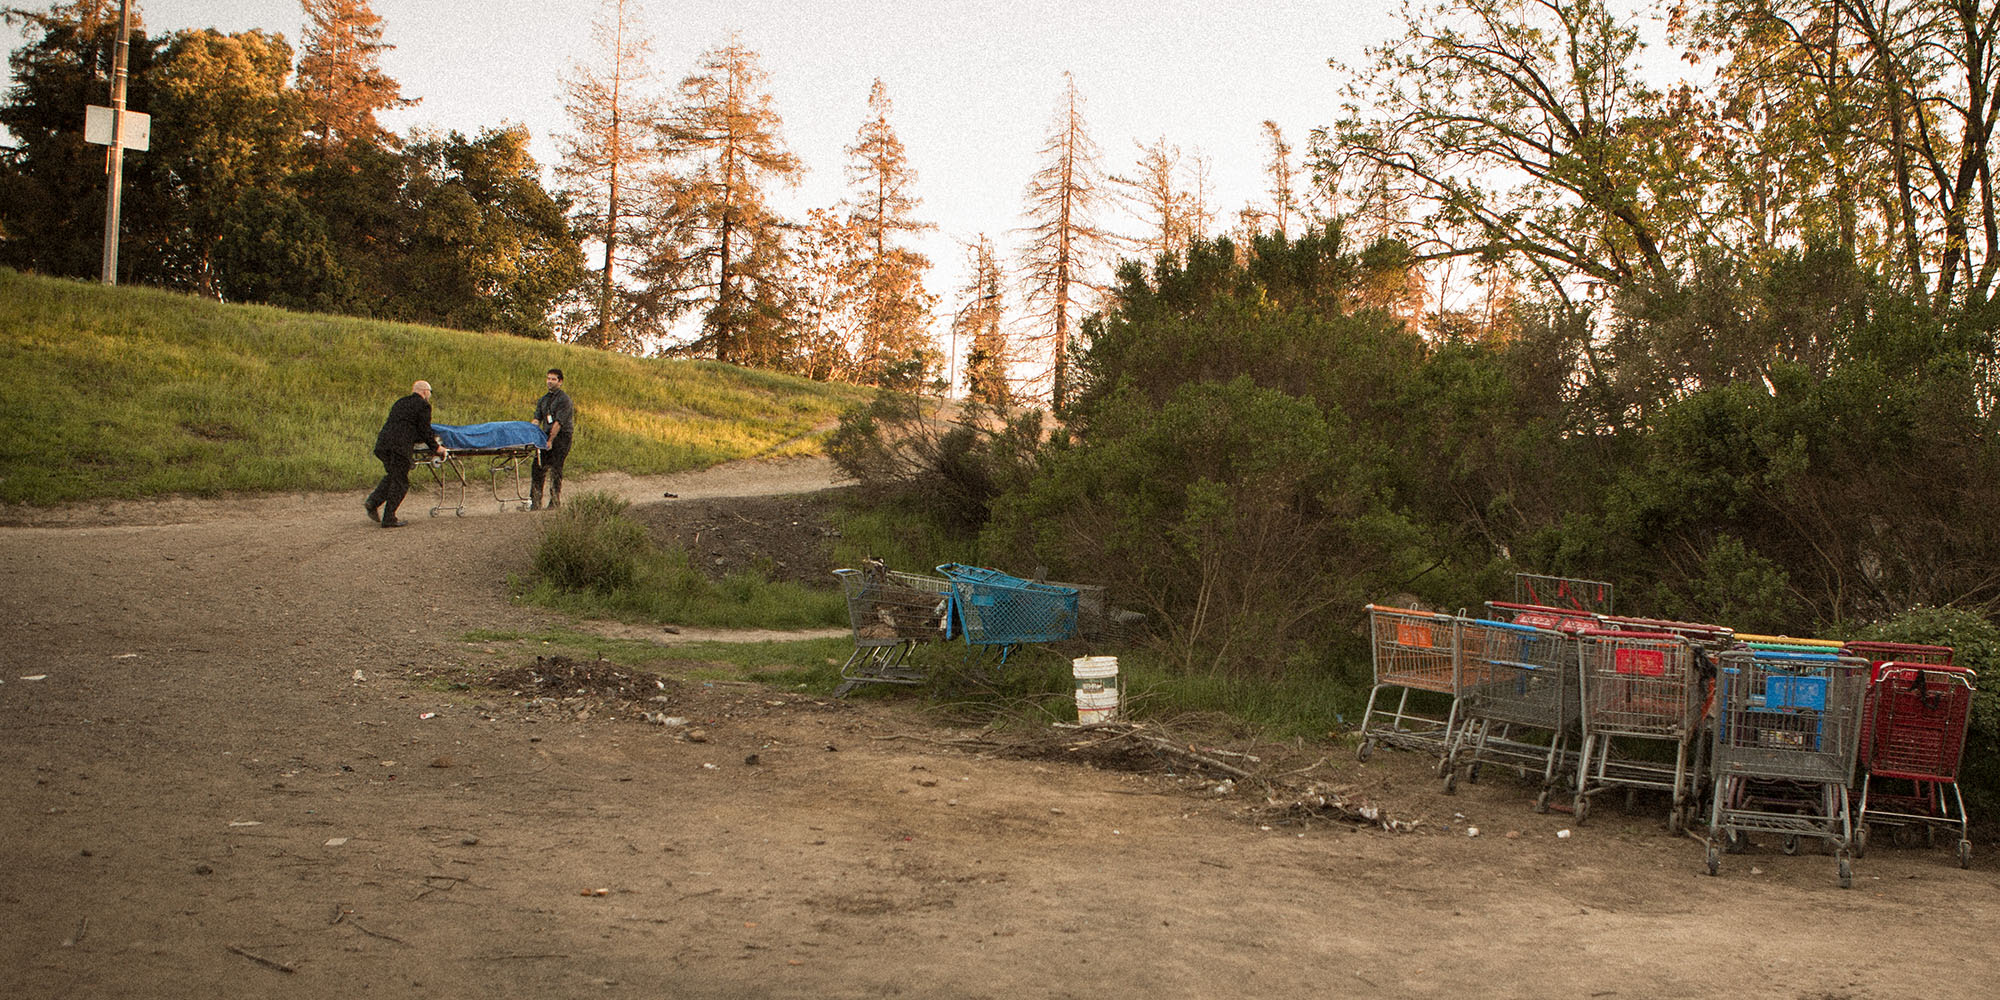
(1791, 845)
(1366, 751)
(1714, 858)
(1846, 874)
(1965, 854)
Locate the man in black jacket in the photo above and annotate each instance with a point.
(556, 416)
(409, 422)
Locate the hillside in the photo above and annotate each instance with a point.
(122, 393)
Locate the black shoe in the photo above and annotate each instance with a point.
(391, 522)
(374, 512)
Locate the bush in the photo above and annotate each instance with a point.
(589, 544)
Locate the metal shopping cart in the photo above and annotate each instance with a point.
(892, 613)
(1413, 652)
(1518, 688)
(1592, 596)
(1915, 736)
(994, 611)
(1786, 732)
(1640, 686)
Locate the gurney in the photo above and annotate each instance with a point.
(503, 445)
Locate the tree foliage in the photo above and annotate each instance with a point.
(895, 346)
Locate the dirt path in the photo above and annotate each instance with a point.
(231, 780)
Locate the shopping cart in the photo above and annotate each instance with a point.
(1563, 592)
(1786, 732)
(1542, 616)
(994, 611)
(1640, 686)
(1413, 652)
(1915, 737)
(1518, 687)
(892, 613)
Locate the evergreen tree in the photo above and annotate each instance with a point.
(1064, 242)
(978, 326)
(340, 74)
(894, 342)
(1279, 169)
(720, 248)
(609, 157)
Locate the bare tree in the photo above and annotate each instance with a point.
(341, 76)
(615, 118)
(1064, 242)
(1166, 193)
(1279, 169)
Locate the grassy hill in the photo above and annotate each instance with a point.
(132, 392)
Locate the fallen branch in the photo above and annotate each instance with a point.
(261, 960)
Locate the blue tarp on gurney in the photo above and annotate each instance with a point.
(492, 436)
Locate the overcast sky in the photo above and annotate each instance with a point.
(975, 84)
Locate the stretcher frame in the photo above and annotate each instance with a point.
(503, 468)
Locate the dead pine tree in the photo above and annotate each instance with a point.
(1064, 242)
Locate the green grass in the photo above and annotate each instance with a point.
(119, 393)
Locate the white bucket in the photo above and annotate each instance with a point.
(1096, 688)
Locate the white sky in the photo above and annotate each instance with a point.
(975, 84)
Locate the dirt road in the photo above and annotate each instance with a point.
(223, 774)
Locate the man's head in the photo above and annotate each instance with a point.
(421, 388)
(555, 377)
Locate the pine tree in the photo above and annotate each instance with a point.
(1169, 195)
(720, 248)
(1064, 242)
(978, 326)
(341, 76)
(608, 159)
(894, 342)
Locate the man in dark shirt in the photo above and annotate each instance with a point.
(409, 422)
(556, 416)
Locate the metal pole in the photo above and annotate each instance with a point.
(116, 165)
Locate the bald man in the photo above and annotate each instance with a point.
(409, 422)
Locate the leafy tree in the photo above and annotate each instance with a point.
(237, 128)
(340, 74)
(609, 157)
(720, 249)
(1064, 241)
(894, 341)
(52, 183)
(1539, 93)
(486, 246)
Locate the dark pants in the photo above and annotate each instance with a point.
(549, 465)
(395, 482)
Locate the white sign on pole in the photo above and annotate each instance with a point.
(97, 127)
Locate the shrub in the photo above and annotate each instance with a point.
(589, 544)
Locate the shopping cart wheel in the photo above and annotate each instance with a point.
(1846, 874)
(1472, 774)
(1965, 854)
(1366, 751)
(1542, 801)
(1735, 842)
(1861, 840)
(1791, 844)
(1580, 806)
(1451, 781)
(1714, 858)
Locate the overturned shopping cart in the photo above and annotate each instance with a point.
(998, 613)
(1786, 732)
(892, 613)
